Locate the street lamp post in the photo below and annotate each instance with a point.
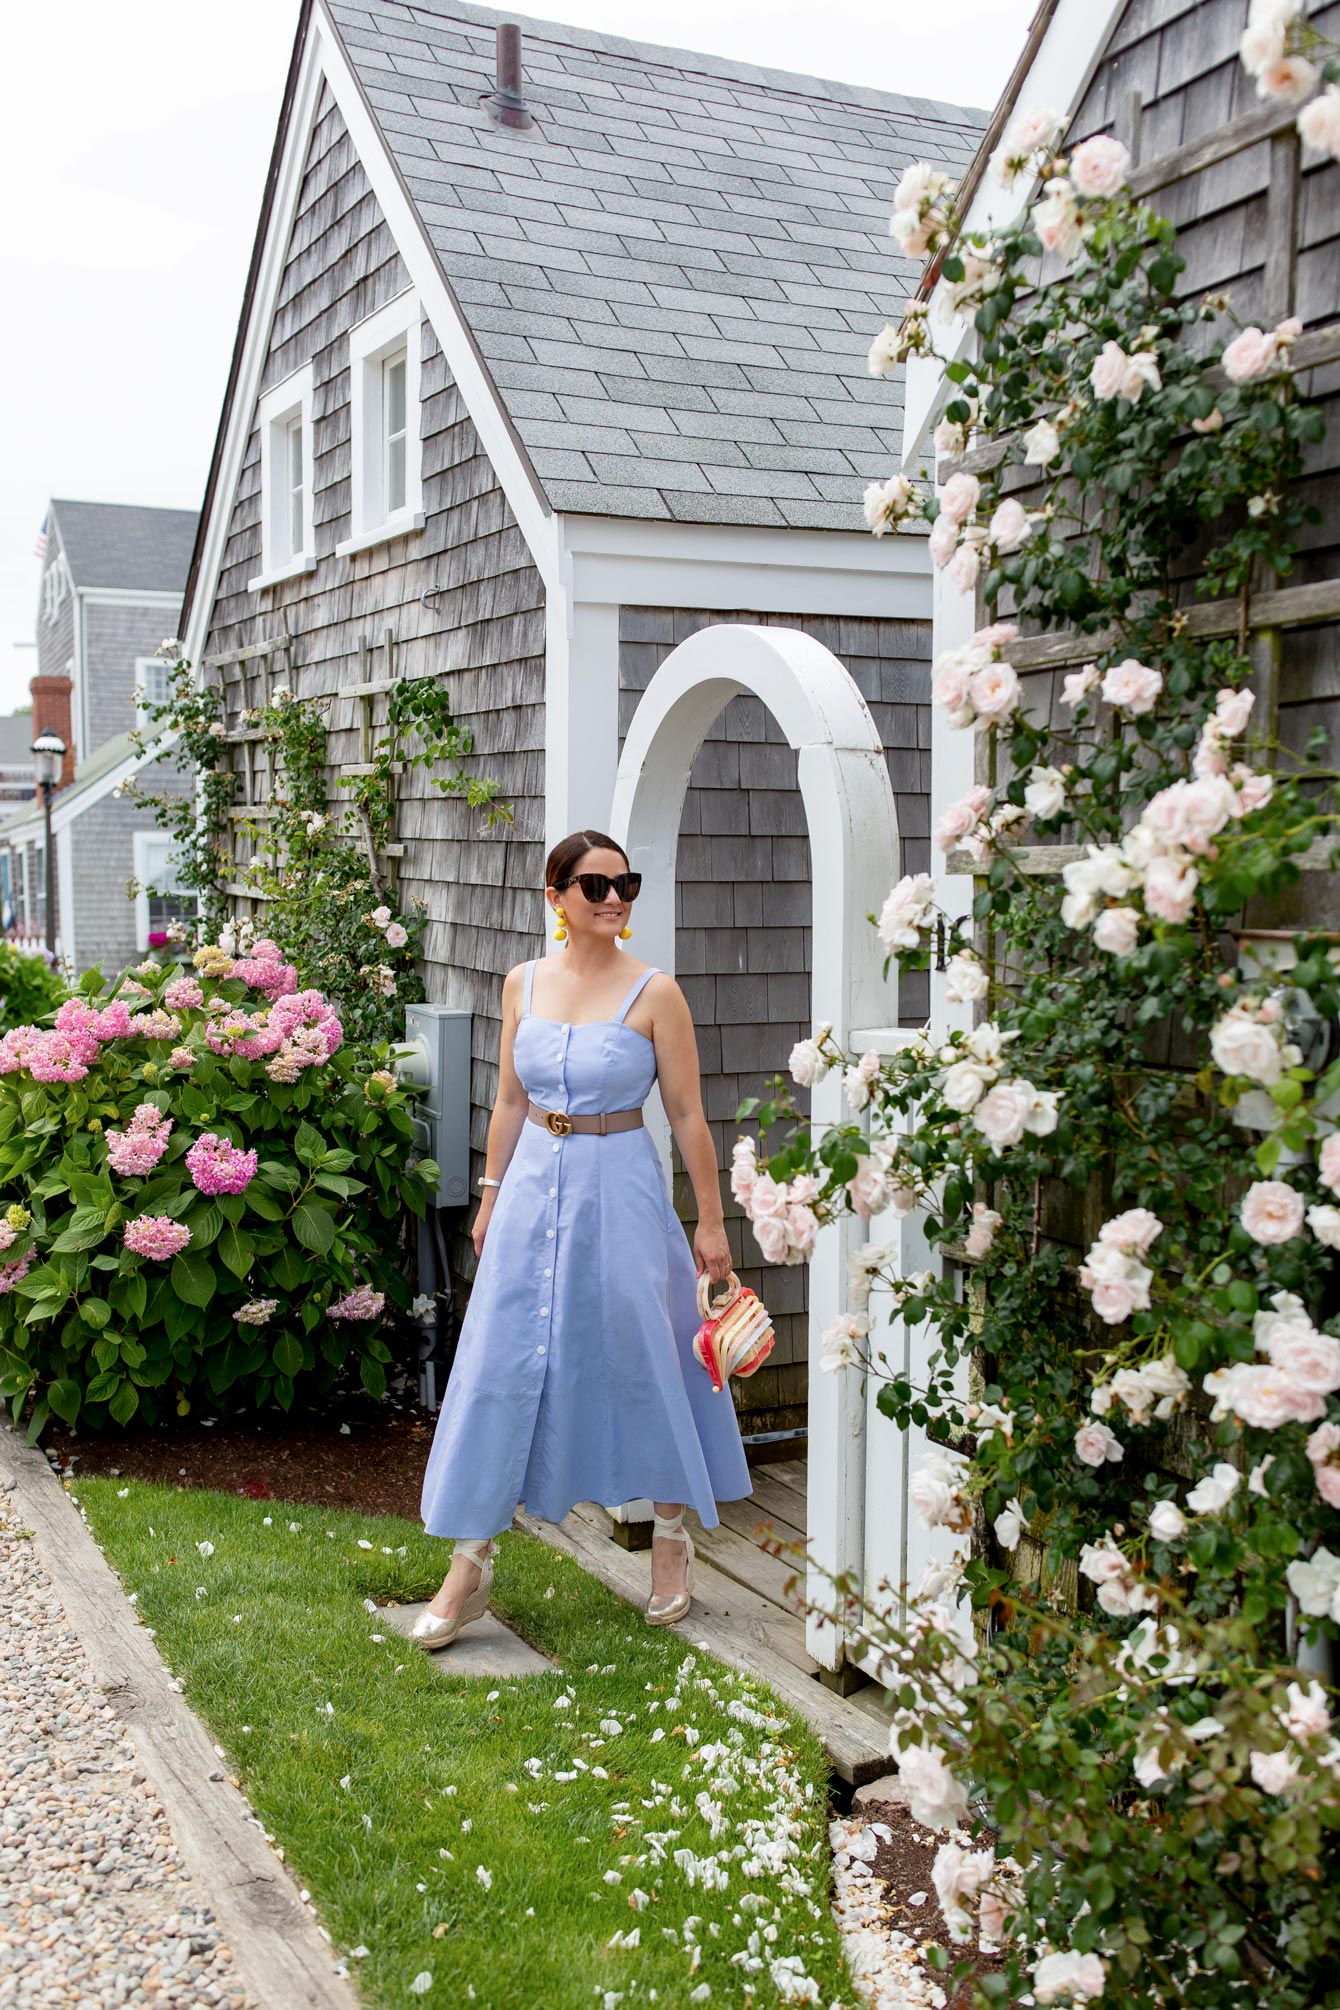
(48, 761)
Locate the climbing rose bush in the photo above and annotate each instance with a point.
(1115, 1677)
(201, 1189)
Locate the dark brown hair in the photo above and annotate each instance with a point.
(562, 860)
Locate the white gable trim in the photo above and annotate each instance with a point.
(487, 413)
(323, 60)
(1059, 75)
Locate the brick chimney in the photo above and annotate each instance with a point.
(51, 714)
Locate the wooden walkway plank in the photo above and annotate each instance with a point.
(279, 1953)
(745, 1630)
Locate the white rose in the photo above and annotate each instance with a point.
(934, 1493)
(1167, 1522)
(1133, 687)
(1009, 1525)
(1042, 443)
(964, 1085)
(1315, 1583)
(1117, 931)
(1099, 167)
(1216, 1490)
(1046, 792)
(1079, 1976)
(1009, 526)
(1319, 122)
(1243, 1046)
(935, 1798)
(994, 690)
(1325, 1225)
(807, 1064)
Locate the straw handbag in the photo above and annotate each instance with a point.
(736, 1335)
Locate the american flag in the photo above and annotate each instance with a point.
(40, 541)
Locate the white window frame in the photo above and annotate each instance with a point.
(396, 329)
(280, 407)
(152, 852)
(53, 587)
(148, 671)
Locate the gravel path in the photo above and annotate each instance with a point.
(95, 1907)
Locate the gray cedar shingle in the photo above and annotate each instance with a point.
(681, 248)
(124, 544)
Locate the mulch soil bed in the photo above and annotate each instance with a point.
(367, 1458)
(903, 1867)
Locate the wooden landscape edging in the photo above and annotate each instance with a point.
(279, 1952)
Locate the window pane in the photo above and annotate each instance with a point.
(395, 475)
(295, 499)
(395, 396)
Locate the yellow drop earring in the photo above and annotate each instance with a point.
(561, 932)
(624, 934)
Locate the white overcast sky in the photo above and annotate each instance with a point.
(134, 141)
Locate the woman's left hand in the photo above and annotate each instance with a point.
(712, 1251)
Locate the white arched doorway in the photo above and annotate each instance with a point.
(853, 834)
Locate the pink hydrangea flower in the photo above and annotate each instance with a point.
(157, 1236)
(114, 1020)
(16, 1046)
(266, 973)
(183, 994)
(60, 1057)
(137, 1150)
(10, 1273)
(216, 1166)
(360, 1303)
(157, 1025)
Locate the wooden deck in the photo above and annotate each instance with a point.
(741, 1609)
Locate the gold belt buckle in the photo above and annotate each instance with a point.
(558, 1122)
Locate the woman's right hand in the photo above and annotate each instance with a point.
(482, 1219)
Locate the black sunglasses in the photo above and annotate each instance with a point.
(596, 885)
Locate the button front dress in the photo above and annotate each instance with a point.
(575, 1378)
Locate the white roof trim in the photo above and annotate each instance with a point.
(1059, 75)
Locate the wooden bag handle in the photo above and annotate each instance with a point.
(706, 1308)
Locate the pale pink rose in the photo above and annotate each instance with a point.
(1095, 1445)
(1307, 1714)
(963, 568)
(995, 1916)
(1169, 891)
(1099, 166)
(869, 1187)
(961, 817)
(1271, 1211)
(1010, 525)
(1056, 220)
(1328, 1162)
(1109, 371)
(1191, 814)
(919, 183)
(1080, 1977)
(994, 690)
(1141, 374)
(1262, 44)
(801, 1227)
(770, 1235)
(1249, 355)
(1038, 127)
(1273, 1772)
(1232, 710)
(1325, 1225)
(1308, 1358)
(1241, 1045)
(958, 498)
(1078, 685)
(1000, 1115)
(949, 681)
(1262, 1396)
(985, 1222)
(1133, 1232)
(1254, 792)
(767, 1199)
(1323, 1449)
(1132, 686)
(1212, 423)
(1319, 122)
(943, 541)
(1114, 1301)
(1117, 930)
(1288, 81)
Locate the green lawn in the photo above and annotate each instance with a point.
(693, 1815)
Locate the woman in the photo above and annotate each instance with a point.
(575, 1377)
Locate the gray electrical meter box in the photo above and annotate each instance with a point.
(435, 1062)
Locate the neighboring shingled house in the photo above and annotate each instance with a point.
(527, 404)
(111, 589)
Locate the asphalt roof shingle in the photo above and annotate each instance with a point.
(683, 254)
(125, 544)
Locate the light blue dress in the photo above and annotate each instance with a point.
(574, 1378)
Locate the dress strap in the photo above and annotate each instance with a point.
(619, 1015)
(525, 995)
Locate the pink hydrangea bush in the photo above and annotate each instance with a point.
(204, 1183)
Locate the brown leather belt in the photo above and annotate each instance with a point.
(559, 1122)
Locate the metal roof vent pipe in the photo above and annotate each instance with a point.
(506, 106)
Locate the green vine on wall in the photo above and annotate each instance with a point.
(318, 868)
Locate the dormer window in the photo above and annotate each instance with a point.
(386, 497)
(288, 533)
